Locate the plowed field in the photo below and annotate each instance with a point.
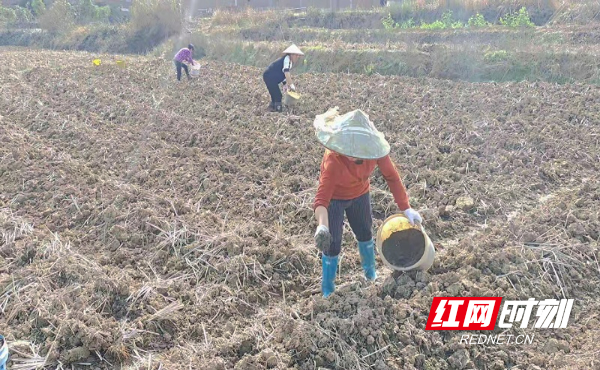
(146, 224)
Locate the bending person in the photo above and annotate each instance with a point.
(279, 72)
(184, 55)
(354, 149)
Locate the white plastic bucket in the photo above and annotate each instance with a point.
(195, 70)
(417, 257)
(291, 98)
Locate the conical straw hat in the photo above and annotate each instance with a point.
(294, 50)
(351, 134)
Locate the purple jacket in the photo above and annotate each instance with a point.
(184, 55)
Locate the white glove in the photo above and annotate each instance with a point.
(322, 238)
(292, 87)
(413, 216)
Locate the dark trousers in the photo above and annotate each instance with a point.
(180, 65)
(274, 90)
(360, 218)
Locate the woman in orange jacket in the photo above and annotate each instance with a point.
(354, 149)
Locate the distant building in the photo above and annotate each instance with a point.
(10, 2)
(125, 3)
(241, 4)
(122, 3)
(287, 4)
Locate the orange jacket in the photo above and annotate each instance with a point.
(343, 179)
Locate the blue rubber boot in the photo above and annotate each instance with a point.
(329, 270)
(3, 353)
(367, 258)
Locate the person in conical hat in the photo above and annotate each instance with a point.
(354, 147)
(279, 72)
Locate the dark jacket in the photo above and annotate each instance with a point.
(275, 73)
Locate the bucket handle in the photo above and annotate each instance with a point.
(419, 225)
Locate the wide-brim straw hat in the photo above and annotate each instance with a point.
(352, 134)
(294, 50)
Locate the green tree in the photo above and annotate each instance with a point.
(163, 17)
(38, 8)
(477, 21)
(59, 18)
(516, 20)
(117, 15)
(388, 22)
(103, 13)
(447, 19)
(408, 24)
(7, 16)
(86, 11)
(24, 15)
(437, 25)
